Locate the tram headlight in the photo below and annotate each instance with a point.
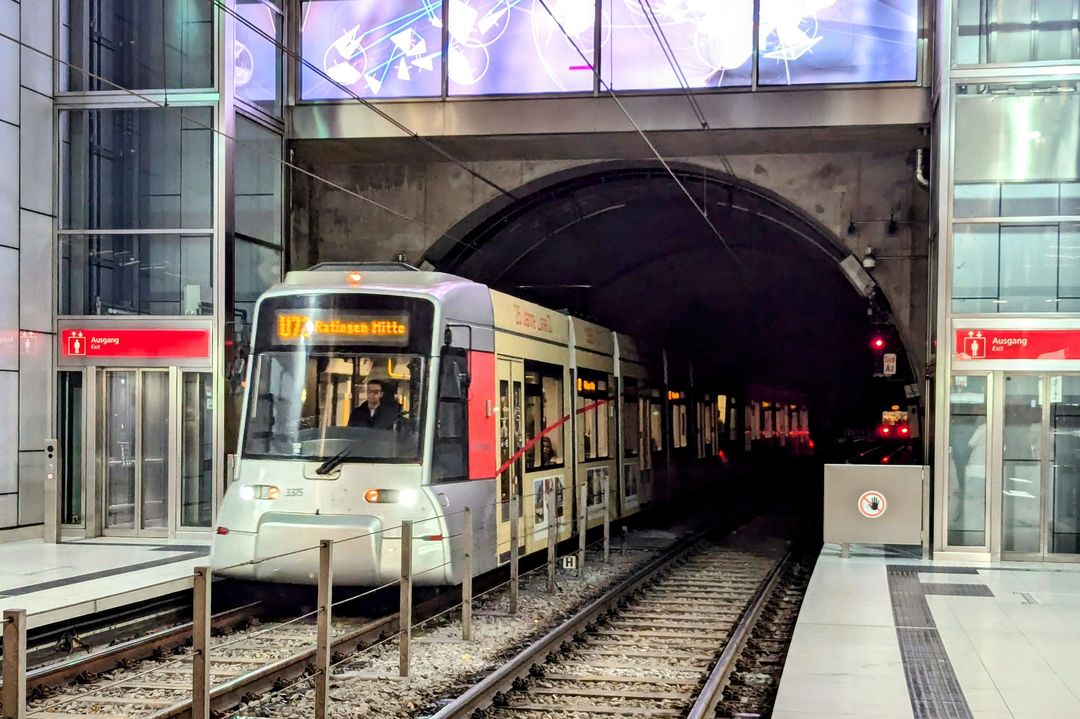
(404, 497)
(249, 492)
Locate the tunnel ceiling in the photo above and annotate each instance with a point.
(625, 247)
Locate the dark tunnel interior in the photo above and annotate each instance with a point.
(623, 246)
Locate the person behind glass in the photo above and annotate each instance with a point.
(547, 452)
(380, 410)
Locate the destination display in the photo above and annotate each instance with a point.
(327, 326)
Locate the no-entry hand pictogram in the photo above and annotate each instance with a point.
(872, 504)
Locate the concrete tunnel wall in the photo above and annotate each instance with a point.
(832, 188)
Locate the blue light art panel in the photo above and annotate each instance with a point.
(712, 42)
(516, 47)
(838, 41)
(376, 48)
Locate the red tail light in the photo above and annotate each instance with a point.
(222, 530)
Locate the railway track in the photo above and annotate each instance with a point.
(151, 676)
(649, 645)
(751, 688)
(644, 649)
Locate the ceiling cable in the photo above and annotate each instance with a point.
(637, 128)
(676, 67)
(669, 54)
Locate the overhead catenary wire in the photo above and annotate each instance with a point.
(680, 75)
(637, 128)
(221, 133)
(673, 61)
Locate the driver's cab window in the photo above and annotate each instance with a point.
(357, 391)
(318, 405)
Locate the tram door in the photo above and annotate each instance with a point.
(511, 427)
(135, 451)
(1041, 466)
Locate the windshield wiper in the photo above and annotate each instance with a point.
(331, 464)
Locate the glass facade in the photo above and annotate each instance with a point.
(158, 274)
(257, 251)
(1009, 210)
(1016, 197)
(258, 63)
(137, 169)
(137, 44)
(1010, 32)
(139, 237)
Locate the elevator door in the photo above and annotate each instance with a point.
(136, 466)
(1041, 466)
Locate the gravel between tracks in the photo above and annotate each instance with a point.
(366, 684)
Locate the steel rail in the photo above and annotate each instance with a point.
(713, 690)
(228, 695)
(482, 694)
(131, 650)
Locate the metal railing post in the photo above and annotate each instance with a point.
(514, 554)
(466, 580)
(323, 636)
(405, 610)
(200, 645)
(583, 527)
(607, 521)
(14, 672)
(553, 536)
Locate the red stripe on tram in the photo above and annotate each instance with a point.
(547, 430)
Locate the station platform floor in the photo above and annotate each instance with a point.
(886, 634)
(58, 582)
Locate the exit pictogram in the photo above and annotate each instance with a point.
(76, 345)
(975, 345)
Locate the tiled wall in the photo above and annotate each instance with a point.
(27, 288)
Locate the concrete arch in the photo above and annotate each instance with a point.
(542, 243)
(719, 190)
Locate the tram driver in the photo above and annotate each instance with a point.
(380, 410)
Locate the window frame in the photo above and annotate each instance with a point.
(543, 370)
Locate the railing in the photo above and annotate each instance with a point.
(202, 687)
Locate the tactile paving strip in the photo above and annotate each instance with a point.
(932, 684)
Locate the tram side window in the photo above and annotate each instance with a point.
(656, 425)
(543, 408)
(593, 388)
(678, 426)
(450, 453)
(721, 418)
(631, 425)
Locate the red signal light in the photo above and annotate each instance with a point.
(878, 343)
